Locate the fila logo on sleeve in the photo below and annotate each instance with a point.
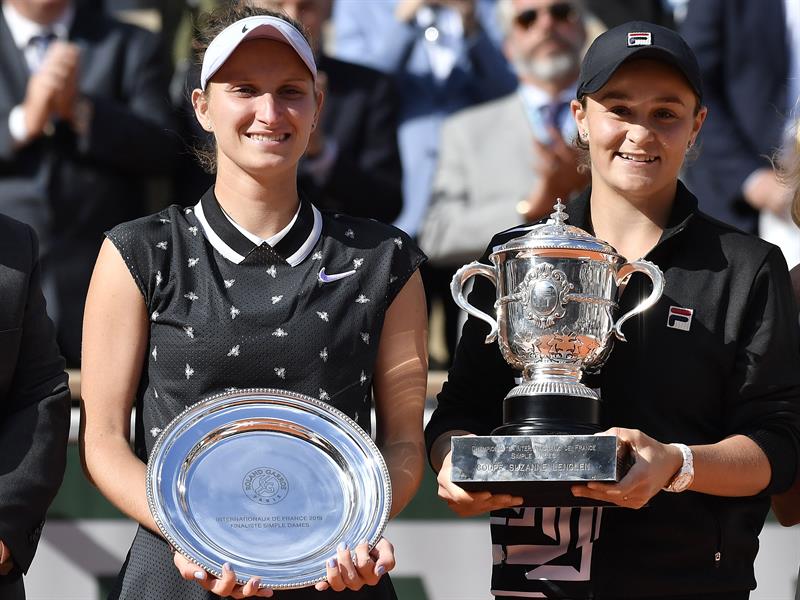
(640, 38)
(680, 318)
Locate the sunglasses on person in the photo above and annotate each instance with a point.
(561, 12)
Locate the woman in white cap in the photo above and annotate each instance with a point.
(251, 288)
(706, 391)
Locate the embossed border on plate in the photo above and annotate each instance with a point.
(167, 470)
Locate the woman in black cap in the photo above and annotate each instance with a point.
(251, 288)
(709, 403)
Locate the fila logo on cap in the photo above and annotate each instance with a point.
(680, 318)
(640, 38)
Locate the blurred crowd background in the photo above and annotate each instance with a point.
(448, 118)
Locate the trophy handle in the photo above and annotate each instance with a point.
(457, 289)
(624, 273)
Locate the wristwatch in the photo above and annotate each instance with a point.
(685, 475)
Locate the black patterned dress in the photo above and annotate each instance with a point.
(303, 312)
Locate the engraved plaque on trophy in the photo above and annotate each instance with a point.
(269, 481)
(557, 290)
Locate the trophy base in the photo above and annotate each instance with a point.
(549, 414)
(539, 468)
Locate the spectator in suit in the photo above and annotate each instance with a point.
(511, 158)
(352, 163)
(34, 418)
(749, 54)
(84, 118)
(444, 56)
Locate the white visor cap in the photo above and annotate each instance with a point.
(250, 28)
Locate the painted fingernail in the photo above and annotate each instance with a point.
(332, 563)
(380, 570)
(342, 547)
(226, 567)
(200, 575)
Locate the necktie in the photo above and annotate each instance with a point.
(39, 44)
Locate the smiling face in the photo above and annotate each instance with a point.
(639, 127)
(261, 106)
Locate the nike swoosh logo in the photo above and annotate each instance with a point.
(244, 28)
(325, 278)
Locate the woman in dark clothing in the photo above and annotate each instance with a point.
(709, 407)
(251, 288)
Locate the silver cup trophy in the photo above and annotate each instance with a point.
(557, 289)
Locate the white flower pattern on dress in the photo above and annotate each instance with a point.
(362, 299)
(398, 241)
(155, 353)
(323, 395)
(316, 256)
(323, 315)
(280, 372)
(155, 431)
(162, 245)
(324, 354)
(276, 299)
(228, 282)
(357, 262)
(191, 296)
(164, 221)
(189, 371)
(193, 262)
(392, 278)
(363, 377)
(189, 331)
(350, 233)
(159, 278)
(234, 312)
(279, 332)
(234, 351)
(193, 230)
(365, 337)
(272, 271)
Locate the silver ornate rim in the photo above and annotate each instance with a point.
(263, 395)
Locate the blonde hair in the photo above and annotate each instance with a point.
(791, 173)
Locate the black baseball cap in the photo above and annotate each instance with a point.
(638, 39)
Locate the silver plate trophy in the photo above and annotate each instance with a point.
(269, 481)
(557, 289)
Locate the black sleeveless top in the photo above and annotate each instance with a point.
(303, 312)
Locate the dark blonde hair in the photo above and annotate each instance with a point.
(209, 26)
(789, 172)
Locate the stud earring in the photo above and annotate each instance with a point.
(584, 135)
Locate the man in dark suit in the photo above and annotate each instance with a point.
(84, 118)
(743, 52)
(352, 163)
(34, 406)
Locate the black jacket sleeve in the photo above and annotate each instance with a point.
(34, 409)
(764, 388)
(472, 397)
